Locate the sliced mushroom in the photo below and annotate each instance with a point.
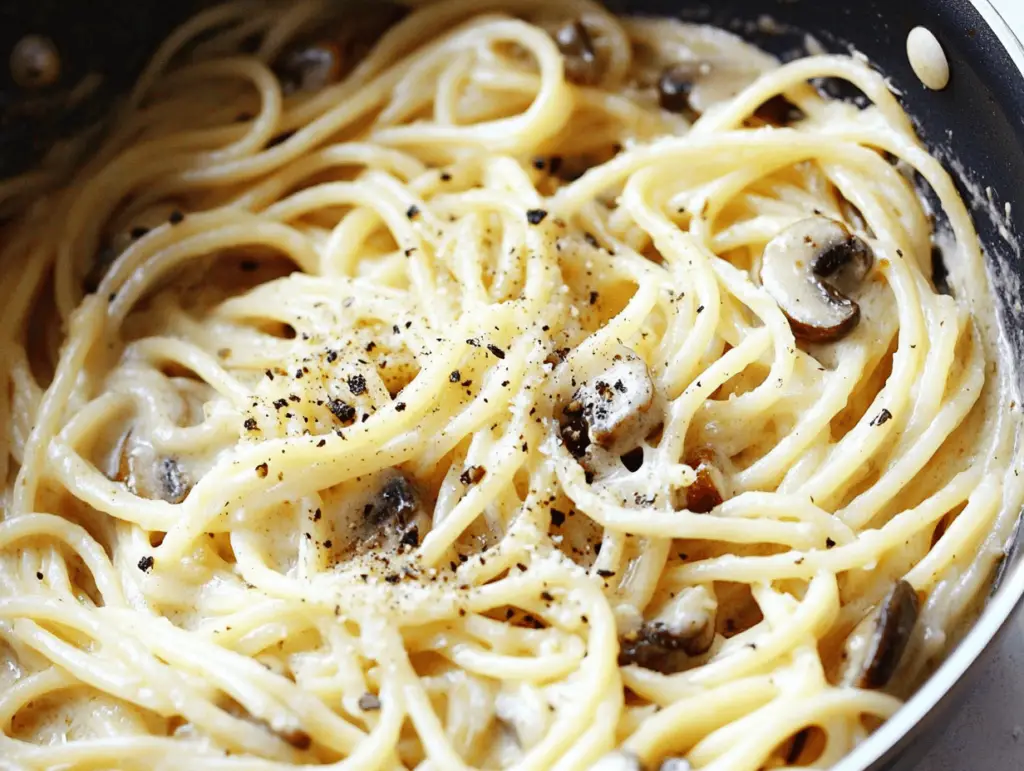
(394, 520)
(808, 269)
(34, 62)
(657, 647)
(611, 409)
(582, 64)
(874, 649)
(675, 84)
(315, 61)
(310, 67)
(149, 476)
(705, 493)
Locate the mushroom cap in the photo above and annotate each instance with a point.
(875, 647)
(808, 269)
(582, 64)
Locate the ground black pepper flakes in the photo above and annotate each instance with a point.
(606, 573)
(557, 517)
(412, 212)
(455, 376)
(535, 216)
(250, 424)
(400, 407)
(262, 470)
(357, 384)
(343, 411)
(280, 404)
(321, 443)
(881, 418)
(829, 543)
(145, 563)
(332, 356)
(496, 351)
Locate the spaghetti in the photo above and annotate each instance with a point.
(462, 403)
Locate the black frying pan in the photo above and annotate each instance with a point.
(978, 120)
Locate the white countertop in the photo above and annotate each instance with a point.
(987, 732)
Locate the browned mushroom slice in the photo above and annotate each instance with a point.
(704, 494)
(149, 476)
(318, 60)
(609, 410)
(654, 646)
(582, 64)
(676, 83)
(808, 269)
(310, 67)
(394, 520)
(34, 62)
(874, 649)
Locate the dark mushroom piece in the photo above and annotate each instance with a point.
(310, 67)
(808, 269)
(609, 410)
(582, 64)
(394, 520)
(151, 477)
(34, 62)
(676, 82)
(704, 494)
(315, 61)
(874, 649)
(654, 646)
